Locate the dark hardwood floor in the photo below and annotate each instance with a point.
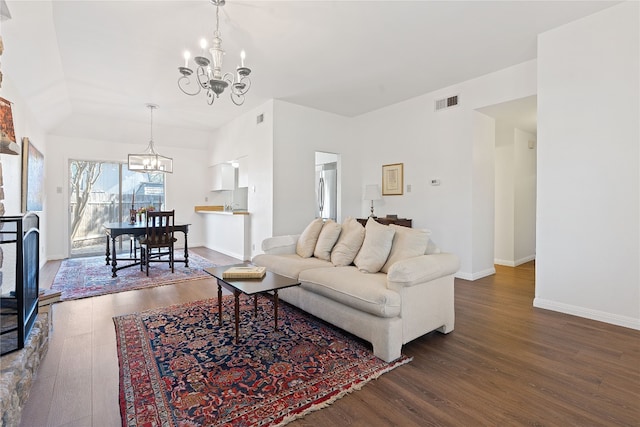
(505, 364)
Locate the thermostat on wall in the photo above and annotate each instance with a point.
(435, 182)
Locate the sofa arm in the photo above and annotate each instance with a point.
(279, 245)
(421, 269)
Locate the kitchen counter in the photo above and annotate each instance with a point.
(219, 210)
(227, 231)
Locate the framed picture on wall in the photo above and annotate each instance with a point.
(32, 177)
(392, 179)
(7, 134)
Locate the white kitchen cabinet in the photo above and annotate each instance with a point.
(223, 177)
(243, 172)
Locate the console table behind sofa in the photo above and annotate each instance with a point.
(405, 222)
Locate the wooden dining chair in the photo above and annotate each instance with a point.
(159, 236)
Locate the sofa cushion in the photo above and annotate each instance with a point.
(280, 244)
(289, 265)
(349, 243)
(308, 239)
(375, 248)
(421, 269)
(348, 286)
(407, 243)
(432, 248)
(327, 239)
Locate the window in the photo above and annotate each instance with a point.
(101, 192)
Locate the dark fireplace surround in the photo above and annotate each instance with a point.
(19, 307)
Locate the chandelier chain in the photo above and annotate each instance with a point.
(151, 111)
(217, 33)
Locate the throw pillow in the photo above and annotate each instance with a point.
(327, 239)
(375, 248)
(407, 243)
(348, 244)
(432, 248)
(308, 239)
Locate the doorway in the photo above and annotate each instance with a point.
(515, 180)
(102, 192)
(327, 185)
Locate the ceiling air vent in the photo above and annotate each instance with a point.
(444, 103)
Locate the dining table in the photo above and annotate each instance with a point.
(115, 229)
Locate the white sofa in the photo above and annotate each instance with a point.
(415, 295)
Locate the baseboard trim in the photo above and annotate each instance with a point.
(508, 263)
(179, 246)
(601, 316)
(476, 275)
(226, 252)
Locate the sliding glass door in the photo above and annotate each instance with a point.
(101, 192)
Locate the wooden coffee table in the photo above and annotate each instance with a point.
(270, 282)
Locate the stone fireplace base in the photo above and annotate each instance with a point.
(18, 370)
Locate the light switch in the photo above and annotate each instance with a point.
(408, 188)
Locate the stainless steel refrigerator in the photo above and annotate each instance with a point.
(327, 190)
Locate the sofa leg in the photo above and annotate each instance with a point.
(445, 329)
(387, 356)
(387, 351)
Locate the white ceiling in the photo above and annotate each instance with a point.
(87, 68)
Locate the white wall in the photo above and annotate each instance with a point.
(245, 137)
(525, 159)
(281, 152)
(515, 207)
(483, 196)
(453, 145)
(298, 133)
(25, 125)
(588, 237)
(184, 187)
(504, 195)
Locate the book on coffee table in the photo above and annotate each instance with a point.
(245, 272)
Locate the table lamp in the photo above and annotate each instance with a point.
(372, 192)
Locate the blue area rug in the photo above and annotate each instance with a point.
(89, 277)
(180, 368)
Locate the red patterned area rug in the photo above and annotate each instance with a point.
(90, 277)
(178, 367)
